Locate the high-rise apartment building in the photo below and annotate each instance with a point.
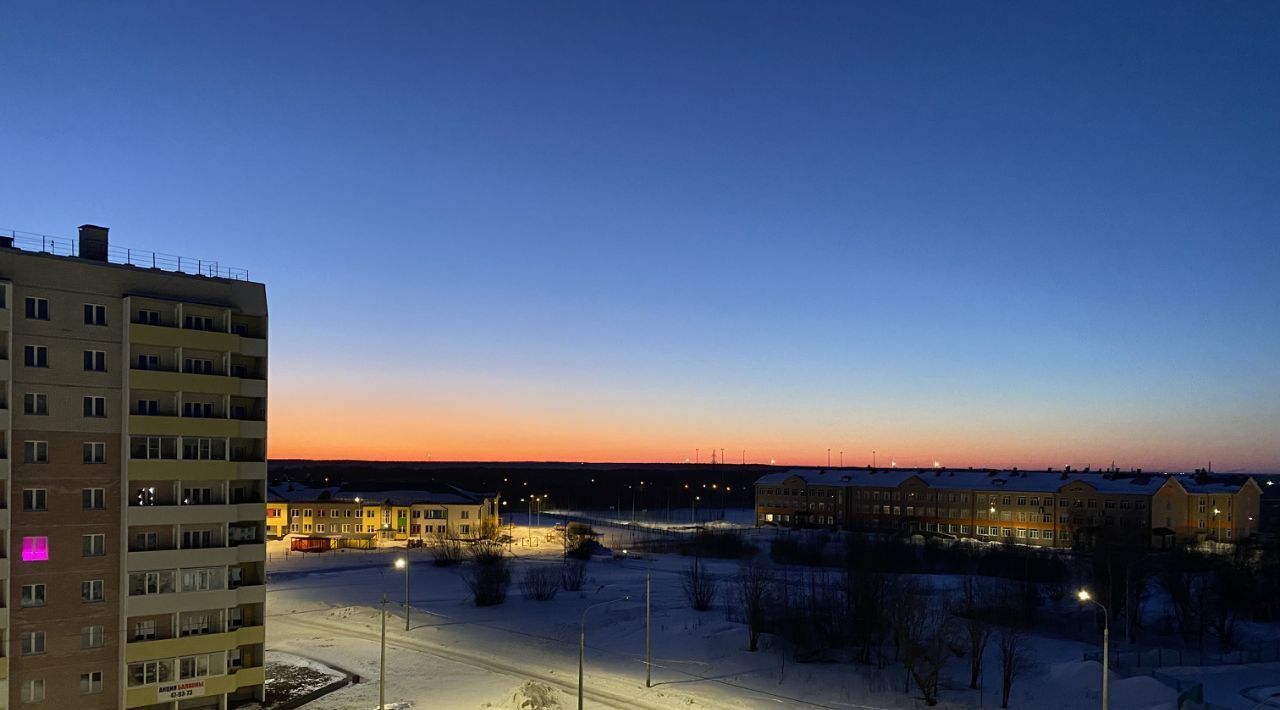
(134, 400)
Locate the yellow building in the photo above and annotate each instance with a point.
(138, 474)
(1042, 508)
(389, 515)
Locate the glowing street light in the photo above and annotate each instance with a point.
(1085, 598)
(403, 563)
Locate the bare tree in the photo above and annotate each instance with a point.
(976, 610)
(755, 589)
(1014, 660)
(699, 586)
(930, 644)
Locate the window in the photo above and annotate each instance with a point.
(91, 683)
(95, 314)
(195, 625)
(33, 595)
(197, 409)
(95, 452)
(148, 317)
(33, 690)
(95, 361)
(203, 579)
(198, 323)
(35, 548)
(144, 541)
(149, 407)
(35, 356)
(35, 403)
(198, 539)
(144, 583)
(95, 406)
(32, 643)
(93, 498)
(197, 496)
(35, 499)
(148, 362)
(93, 545)
(150, 672)
(197, 449)
(193, 667)
(197, 366)
(234, 661)
(1048, 534)
(37, 308)
(144, 630)
(35, 452)
(91, 590)
(92, 637)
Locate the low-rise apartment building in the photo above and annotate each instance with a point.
(1043, 508)
(386, 515)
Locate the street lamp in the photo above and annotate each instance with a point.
(582, 641)
(1217, 528)
(693, 516)
(1084, 596)
(403, 563)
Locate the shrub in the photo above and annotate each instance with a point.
(573, 575)
(445, 551)
(540, 583)
(699, 586)
(489, 575)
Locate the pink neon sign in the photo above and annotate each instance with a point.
(35, 549)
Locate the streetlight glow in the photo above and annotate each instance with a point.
(1083, 595)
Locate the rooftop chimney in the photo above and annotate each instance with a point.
(93, 242)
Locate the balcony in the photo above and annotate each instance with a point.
(207, 514)
(153, 649)
(211, 427)
(171, 337)
(152, 604)
(199, 556)
(188, 470)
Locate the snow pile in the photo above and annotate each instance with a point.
(533, 696)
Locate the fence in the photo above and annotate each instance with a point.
(1140, 661)
(62, 246)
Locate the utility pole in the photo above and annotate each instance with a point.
(382, 659)
(841, 459)
(648, 655)
(828, 457)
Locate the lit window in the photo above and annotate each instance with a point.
(35, 548)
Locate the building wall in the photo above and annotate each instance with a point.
(1048, 519)
(69, 284)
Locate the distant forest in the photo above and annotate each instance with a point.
(594, 486)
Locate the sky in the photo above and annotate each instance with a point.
(982, 234)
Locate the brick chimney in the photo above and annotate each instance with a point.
(93, 242)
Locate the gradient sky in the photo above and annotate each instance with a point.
(999, 234)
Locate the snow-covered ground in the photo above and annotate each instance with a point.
(458, 656)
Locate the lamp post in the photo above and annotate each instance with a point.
(582, 641)
(403, 563)
(693, 504)
(1084, 596)
(382, 659)
(1217, 528)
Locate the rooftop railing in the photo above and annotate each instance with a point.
(64, 246)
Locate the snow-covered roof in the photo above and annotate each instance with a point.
(445, 495)
(1209, 483)
(983, 479)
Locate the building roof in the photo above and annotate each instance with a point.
(1007, 480)
(441, 495)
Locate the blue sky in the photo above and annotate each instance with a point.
(990, 234)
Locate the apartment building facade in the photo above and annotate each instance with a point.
(387, 515)
(134, 465)
(1041, 508)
